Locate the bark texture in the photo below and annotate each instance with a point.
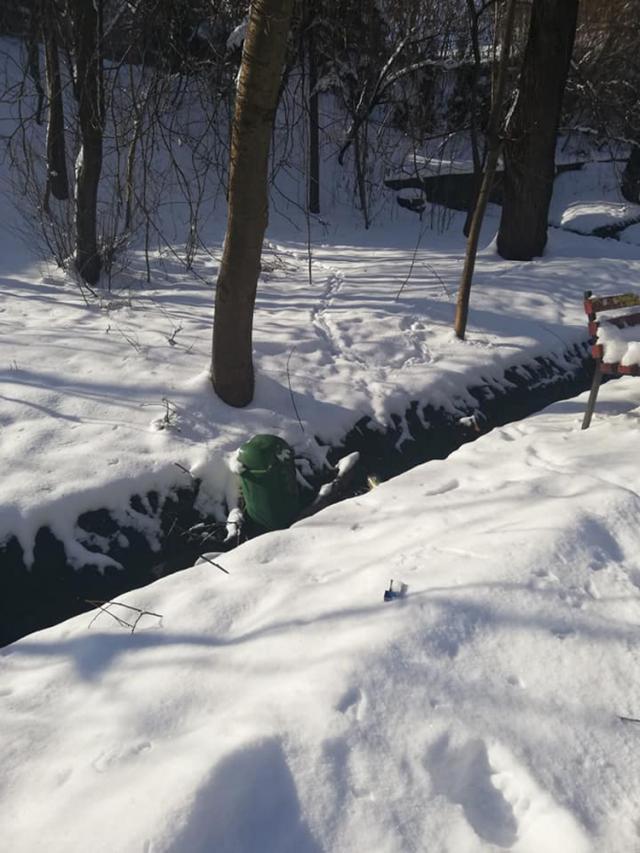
(259, 79)
(314, 124)
(57, 179)
(87, 37)
(630, 185)
(529, 150)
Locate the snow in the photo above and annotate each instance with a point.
(286, 707)
(237, 35)
(590, 198)
(586, 217)
(110, 398)
(619, 345)
(269, 699)
(347, 463)
(86, 386)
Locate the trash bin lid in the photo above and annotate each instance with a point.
(262, 451)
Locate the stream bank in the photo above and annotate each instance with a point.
(52, 590)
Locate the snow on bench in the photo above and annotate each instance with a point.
(615, 340)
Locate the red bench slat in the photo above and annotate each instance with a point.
(594, 305)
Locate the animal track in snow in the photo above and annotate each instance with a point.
(112, 757)
(338, 343)
(500, 800)
(415, 332)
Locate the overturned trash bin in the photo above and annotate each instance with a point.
(268, 481)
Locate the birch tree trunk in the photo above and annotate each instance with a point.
(259, 79)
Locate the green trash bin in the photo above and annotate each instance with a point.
(268, 481)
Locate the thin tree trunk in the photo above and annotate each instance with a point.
(314, 126)
(531, 139)
(259, 79)
(630, 185)
(493, 154)
(87, 22)
(359, 153)
(33, 56)
(473, 16)
(57, 179)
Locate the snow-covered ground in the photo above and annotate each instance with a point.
(100, 400)
(285, 708)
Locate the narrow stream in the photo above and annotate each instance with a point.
(52, 590)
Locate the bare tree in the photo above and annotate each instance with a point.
(314, 121)
(529, 150)
(259, 79)
(493, 153)
(87, 43)
(57, 180)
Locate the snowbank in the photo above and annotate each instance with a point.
(105, 400)
(587, 217)
(285, 707)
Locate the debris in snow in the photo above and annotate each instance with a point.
(474, 421)
(397, 589)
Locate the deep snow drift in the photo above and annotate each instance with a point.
(284, 708)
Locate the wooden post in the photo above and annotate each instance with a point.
(593, 396)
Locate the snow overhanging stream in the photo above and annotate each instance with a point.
(148, 537)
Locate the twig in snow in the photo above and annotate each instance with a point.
(411, 266)
(293, 399)
(435, 272)
(171, 339)
(629, 720)
(133, 342)
(213, 563)
(186, 470)
(103, 607)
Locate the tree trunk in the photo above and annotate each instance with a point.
(493, 154)
(314, 126)
(57, 180)
(630, 185)
(87, 28)
(33, 57)
(259, 78)
(474, 36)
(529, 150)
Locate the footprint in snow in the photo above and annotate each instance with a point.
(500, 800)
(353, 704)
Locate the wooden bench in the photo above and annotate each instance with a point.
(606, 353)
